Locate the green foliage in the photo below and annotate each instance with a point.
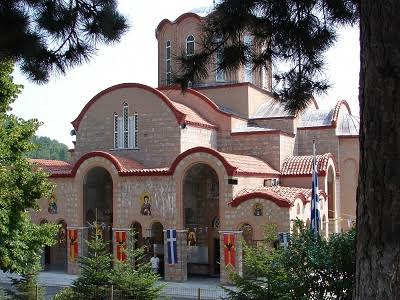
(27, 288)
(21, 241)
(47, 148)
(3, 295)
(46, 36)
(134, 277)
(65, 294)
(95, 277)
(131, 278)
(294, 32)
(8, 89)
(310, 268)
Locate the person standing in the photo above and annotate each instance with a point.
(155, 262)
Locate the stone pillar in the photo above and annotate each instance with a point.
(176, 272)
(115, 242)
(238, 267)
(72, 260)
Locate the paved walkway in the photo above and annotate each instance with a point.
(209, 288)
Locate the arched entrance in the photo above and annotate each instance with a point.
(98, 202)
(201, 216)
(136, 227)
(157, 242)
(55, 257)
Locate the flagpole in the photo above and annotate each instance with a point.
(314, 224)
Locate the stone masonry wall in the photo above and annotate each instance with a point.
(158, 130)
(244, 213)
(193, 137)
(161, 190)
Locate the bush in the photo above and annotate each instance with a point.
(310, 268)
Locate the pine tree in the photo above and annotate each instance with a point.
(134, 277)
(28, 288)
(95, 277)
(45, 36)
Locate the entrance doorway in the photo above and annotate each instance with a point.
(98, 202)
(201, 210)
(157, 242)
(55, 257)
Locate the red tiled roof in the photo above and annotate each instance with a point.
(191, 116)
(52, 166)
(234, 164)
(128, 164)
(261, 192)
(183, 114)
(248, 164)
(278, 194)
(302, 165)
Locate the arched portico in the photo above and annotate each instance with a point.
(200, 208)
(187, 170)
(98, 202)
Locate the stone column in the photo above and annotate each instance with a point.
(238, 267)
(72, 261)
(178, 271)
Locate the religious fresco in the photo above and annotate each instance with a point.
(258, 209)
(52, 207)
(145, 208)
(191, 238)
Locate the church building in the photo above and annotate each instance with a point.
(197, 173)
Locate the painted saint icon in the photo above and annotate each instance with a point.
(145, 210)
(191, 238)
(258, 209)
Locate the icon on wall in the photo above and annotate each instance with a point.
(258, 209)
(52, 207)
(145, 202)
(191, 238)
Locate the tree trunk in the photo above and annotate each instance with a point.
(378, 195)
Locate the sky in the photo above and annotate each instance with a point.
(134, 59)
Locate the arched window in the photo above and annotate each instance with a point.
(190, 45)
(126, 125)
(219, 74)
(126, 129)
(168, 62)
(116, 137)
(298, 209)
(248, 67)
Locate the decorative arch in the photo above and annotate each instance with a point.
(336, 111)
(178, 115)
(178, 20)
(228, 167)
(81, 169)
(281, 202)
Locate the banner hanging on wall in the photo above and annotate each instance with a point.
(73, 244)
(120, 239)
(229, 250)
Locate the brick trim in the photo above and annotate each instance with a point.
(280, 201)
(277, 131)
(180, 117)
(177, 21)
(230, 169)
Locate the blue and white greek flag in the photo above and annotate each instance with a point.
(172, 246)
(315, 214)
